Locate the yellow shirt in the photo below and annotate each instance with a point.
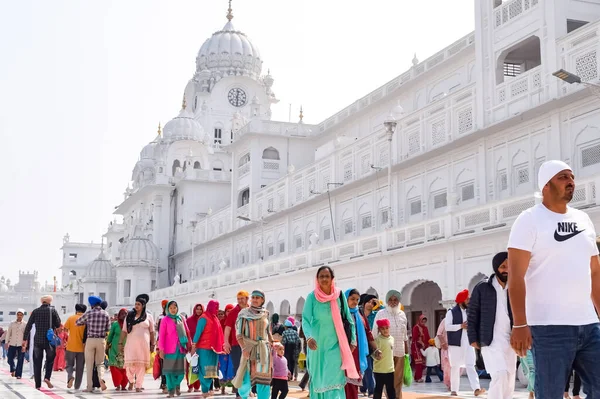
(75, 341)
(386, 346)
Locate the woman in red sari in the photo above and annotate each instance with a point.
(420, 340)
(192, 323)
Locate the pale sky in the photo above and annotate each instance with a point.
(83, 85)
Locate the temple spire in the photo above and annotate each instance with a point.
(229, 12)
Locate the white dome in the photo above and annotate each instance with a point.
(229, 52)
(183, 127)
(138, 252)
(100, 269)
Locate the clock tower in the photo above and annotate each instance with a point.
(227, 80)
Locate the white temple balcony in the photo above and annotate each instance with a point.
(518, 94)
(510, 10)
(206, 175)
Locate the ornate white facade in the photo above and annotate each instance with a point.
(231, 199)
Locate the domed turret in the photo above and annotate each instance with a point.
(183, 127)
(228, 52)
(138, 252)
(100, 269)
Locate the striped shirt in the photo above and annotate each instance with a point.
(398, 328)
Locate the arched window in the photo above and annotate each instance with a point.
(244, 197)
(218, 165)
(176, 164)
(271, 153)
(197, 165)
(244, 159)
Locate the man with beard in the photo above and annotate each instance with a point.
(398, 330)
(460, 352)
(554, 284)
(232, 346)
(489, 324)
(367, 302)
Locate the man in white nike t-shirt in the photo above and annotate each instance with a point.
(553, 284)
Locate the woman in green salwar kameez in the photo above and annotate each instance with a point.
(116, 360)
(330, 360)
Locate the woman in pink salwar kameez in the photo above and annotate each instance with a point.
(443, 338)
(140, 342)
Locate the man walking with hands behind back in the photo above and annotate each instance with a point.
(554, 283)
(489, 324)
(460, 352)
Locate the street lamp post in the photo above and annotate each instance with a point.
(571, 78)
(390, 125)
(193, 224)
(330, 209)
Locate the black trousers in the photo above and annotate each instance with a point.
(236, 357)
(576, 383)
(279, 387)
(38, 357)
(384, 380)
(434, 370)
(305, 378)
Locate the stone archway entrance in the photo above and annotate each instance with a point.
(284, 310)
(423, 297)
(475, 280)
(299, 308)
(270, 308)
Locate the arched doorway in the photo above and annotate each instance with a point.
(270, 308)
(284, 309)
(475, 280)
(372, 291)
(423, 297)
(299, 308)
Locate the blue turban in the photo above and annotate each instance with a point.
(94, 300)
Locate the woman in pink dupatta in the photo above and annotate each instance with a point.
(443, 339)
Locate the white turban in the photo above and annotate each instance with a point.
(47, 299)
(548, 170)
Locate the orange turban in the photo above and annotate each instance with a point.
(163, 303)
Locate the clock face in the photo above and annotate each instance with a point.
(237, 97)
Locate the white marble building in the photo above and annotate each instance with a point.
(225, 198)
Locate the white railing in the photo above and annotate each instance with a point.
(579, 54)
(243, 210)
(518, 94)
(271, 165)
(511, 10)
(276, 128)
(244, 169)
(460, 224)
(206, 175)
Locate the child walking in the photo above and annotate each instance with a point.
(383, 365)
(281, 374)
(432, 361)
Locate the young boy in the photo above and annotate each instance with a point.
(432, 361)
(279, 383)
(383, 365)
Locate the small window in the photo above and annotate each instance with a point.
(415, 207)
(298, 242)
(12, 313)
(511, 69)
(196, 165)
(467, 192)
(590, 156)
(503, 181)
(126, 288)
(348, 226)
(440, 200)
(153, 285)
(326, 233)
(182, 200)
(73, 256)
(282, 247)
(271, 153)
(102, 295)
(366, 221)
(384, 216)
(176, 165)
(523, 176)
(271, 250)
(218, 135)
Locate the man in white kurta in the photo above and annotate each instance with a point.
(489, 328)
(460, 352)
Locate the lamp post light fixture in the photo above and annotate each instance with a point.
(262, 232)
(571, 78)
(390, 125)
(192, 227)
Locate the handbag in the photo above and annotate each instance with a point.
(53, 339)
(345, 321)
(156, 369)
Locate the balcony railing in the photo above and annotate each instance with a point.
(244, 169)
(457, 225)
(512, 9)
(206, 175)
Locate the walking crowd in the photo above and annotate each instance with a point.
(354, 342)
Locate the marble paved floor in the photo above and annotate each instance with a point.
(11, 388)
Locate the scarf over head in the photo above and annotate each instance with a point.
(121, 317)
(361, 336)
(347, 358)
(179, 322)
(210, 314)
(192, 320)
(131, 320)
